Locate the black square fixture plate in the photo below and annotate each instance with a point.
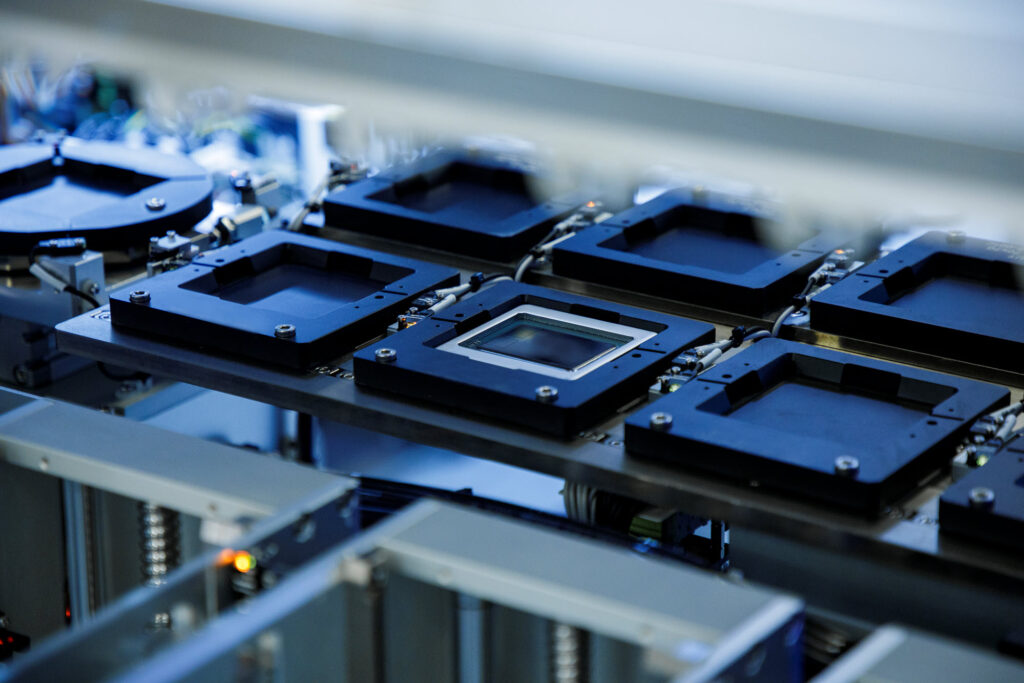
(460, 203)
(853, 432)
(945, 295)
(987, 505)
(279, 297)
(547, 360)
(714, 254)
(113, 196)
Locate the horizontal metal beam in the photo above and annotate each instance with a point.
(934, 127)
(694, 620)
(896, 654)
(180, 472)
(634, 599)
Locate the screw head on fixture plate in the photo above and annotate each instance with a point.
(661, 422)
(981, 498)
(847, 466)
(546, 394)
(139, 296)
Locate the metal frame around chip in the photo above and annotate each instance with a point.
(421, 369)
(637, 335)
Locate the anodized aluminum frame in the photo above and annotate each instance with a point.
(703, 435)
(184, 473)
(994, 337)
(452, 229)
(637, 336)
(893, 653)
(193, 317)
(422, 370)
(184, 188)
(76, 448)
(757, 291)
(1000, 523)
(698, 626)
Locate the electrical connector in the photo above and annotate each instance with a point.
(426, 300)
(61, 246)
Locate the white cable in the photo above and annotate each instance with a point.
(523, 267)
(1009, 421)
(1014, 408)
(704, 349)
(457, 290)
(758, 335)
(443, 303)
(314, 199)
(709, 360)
(548, 246)
(500, 278)
(561, 232)
(782, 318)
(449, 295)
(815, 279)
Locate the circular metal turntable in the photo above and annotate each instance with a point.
(114, 196)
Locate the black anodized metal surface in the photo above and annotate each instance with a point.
(113, 196)
(334, 295)
(1000, 521)
(959, 298)
(422, 370)
(782, 413)
(710, 253)
(458, 203)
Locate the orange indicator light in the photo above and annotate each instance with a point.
(244, 562)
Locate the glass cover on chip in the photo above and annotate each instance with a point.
(550, 342)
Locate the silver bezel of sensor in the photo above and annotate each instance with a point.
(636, 337)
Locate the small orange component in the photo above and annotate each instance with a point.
(244, 562)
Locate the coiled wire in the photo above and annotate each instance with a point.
(160, 542)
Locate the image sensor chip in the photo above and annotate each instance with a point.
(548, 342)
(547, 360)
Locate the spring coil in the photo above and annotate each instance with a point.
(569, 658)
(160, 542)
(570, 661)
